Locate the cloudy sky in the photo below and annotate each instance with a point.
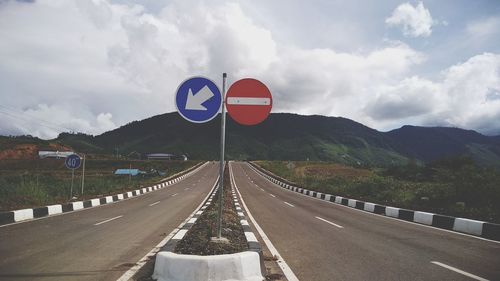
(93, 65)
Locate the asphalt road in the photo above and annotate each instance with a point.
(99, 243)
(325, 241)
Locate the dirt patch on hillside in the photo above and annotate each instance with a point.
(28, 151)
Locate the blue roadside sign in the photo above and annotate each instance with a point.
(198, 99)
(73, 161)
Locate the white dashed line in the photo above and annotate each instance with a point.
(273, 195)
(154, 203)
(329, 222)
(288, 204)
(174, 194)
(459, 271)
(108, 220)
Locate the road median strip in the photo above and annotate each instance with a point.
(187, 257)
(460, 225)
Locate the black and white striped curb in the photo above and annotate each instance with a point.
(40, 212)
(184, 228)
(468, 226)
(253, 243)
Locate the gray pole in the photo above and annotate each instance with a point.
(83, 174)
(222, 144)
(72, 180)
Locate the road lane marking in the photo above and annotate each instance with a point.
(174, 194)
(327, 221)
(287, 271)
(111, 219)
(261, 188)
(272, 195)
(150, 205)
(475, 277)
(187, 188)
(288, 204)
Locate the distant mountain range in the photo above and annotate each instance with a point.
(285, 136)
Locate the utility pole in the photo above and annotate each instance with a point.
(83, 174)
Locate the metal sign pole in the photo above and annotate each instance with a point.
(221, 168)
(83, 174)
(72, 180)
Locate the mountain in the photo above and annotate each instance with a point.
(285, 136)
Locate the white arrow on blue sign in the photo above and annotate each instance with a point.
(198, 99)
(73, 161)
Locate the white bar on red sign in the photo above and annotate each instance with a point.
(248, 101)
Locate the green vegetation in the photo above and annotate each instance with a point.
(456, 186)
(40, 182)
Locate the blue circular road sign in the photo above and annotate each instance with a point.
(198, 99)
(73, 161)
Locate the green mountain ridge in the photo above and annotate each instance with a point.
(285, 136)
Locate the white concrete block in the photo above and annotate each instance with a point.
(250, 237)
(423, 217)
(244, 222)
(328, 197)
(240, 266)
(144, 190)
(129, 194)
(318, 195)
(95, 202)
(338, 200)
(109, 199)
(392, 212)
(180, 234)
(120, 196)
(54, 209)
(77, 205)
(24, 214)
(468, 226)
(241, 214)
(370, 207)
(192, 220)
(351, 203)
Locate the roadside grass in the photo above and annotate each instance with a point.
(455, 187)
(40, 182)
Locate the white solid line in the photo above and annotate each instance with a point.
(290, 276)
(132, 271)
(459, 271)
(373, 214)
(248, 101)
(154, 203)
(288, 204)
(272, 195)
(108, 220)
(334, 224)
(174, 194)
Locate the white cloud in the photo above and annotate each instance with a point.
(465, 96)
(484, 28)
(94, 65)
(416, 20)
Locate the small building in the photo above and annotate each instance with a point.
(54, 154)
(132, 172)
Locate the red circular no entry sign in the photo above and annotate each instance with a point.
(248, 101)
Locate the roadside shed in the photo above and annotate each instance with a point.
(132, 172)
